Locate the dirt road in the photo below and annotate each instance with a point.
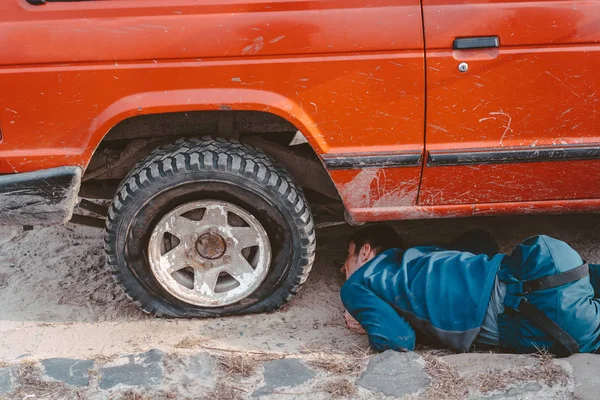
(58, 299)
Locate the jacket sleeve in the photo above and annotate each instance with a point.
(384, 326)
(595, 279)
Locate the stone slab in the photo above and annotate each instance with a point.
(68, 370)
(6, 384)
(516, 392)
(586, 371)
(394, 374)
(468, 364)
(141, 370)
(286, 372)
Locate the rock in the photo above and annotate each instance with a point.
(468, 364)
(287, 372)
(530, 387)
(394, 374)
(585, 373)
(70, 371)
(6, 384)
(144, 369)
(519, 392)
(10, 233)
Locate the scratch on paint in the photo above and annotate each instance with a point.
(255, 47)
(277, 39)
(13, 168)
(153, 26)
(439, 128)
(548, 72)
(567, 111)
(563, 83)
(507, 126)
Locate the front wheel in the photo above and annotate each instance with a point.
(209, 227)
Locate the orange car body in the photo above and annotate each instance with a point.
(374, 86)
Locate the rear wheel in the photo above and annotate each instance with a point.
(209, 227)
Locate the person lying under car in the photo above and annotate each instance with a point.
(467, 294)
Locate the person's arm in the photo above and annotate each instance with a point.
(595, 278)
(476, 241)
(385, 327)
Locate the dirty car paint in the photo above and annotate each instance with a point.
(538, 89)
(349, 74)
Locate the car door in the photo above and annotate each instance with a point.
(513, 91)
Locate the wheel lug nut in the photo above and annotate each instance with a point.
(213, 230)
(208, 264)
(227, 259)
(229, 241)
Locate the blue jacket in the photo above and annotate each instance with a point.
(444, 295)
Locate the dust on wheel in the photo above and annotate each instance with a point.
(209, 227)
(218, 258)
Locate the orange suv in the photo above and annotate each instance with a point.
(209, 123)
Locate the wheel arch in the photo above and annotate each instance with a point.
(192, 100)
(171, 114)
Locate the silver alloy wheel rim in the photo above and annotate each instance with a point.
(209, 253)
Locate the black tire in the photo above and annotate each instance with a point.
(216, 169)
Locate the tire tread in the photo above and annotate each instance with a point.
(209, 153)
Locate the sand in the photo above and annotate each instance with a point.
(59, 300)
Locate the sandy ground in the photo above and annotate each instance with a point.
(58, 299)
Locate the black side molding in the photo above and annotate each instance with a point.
(481, 42)
(513, 155)
(40, 2)
(44, 197)
(371, 160)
